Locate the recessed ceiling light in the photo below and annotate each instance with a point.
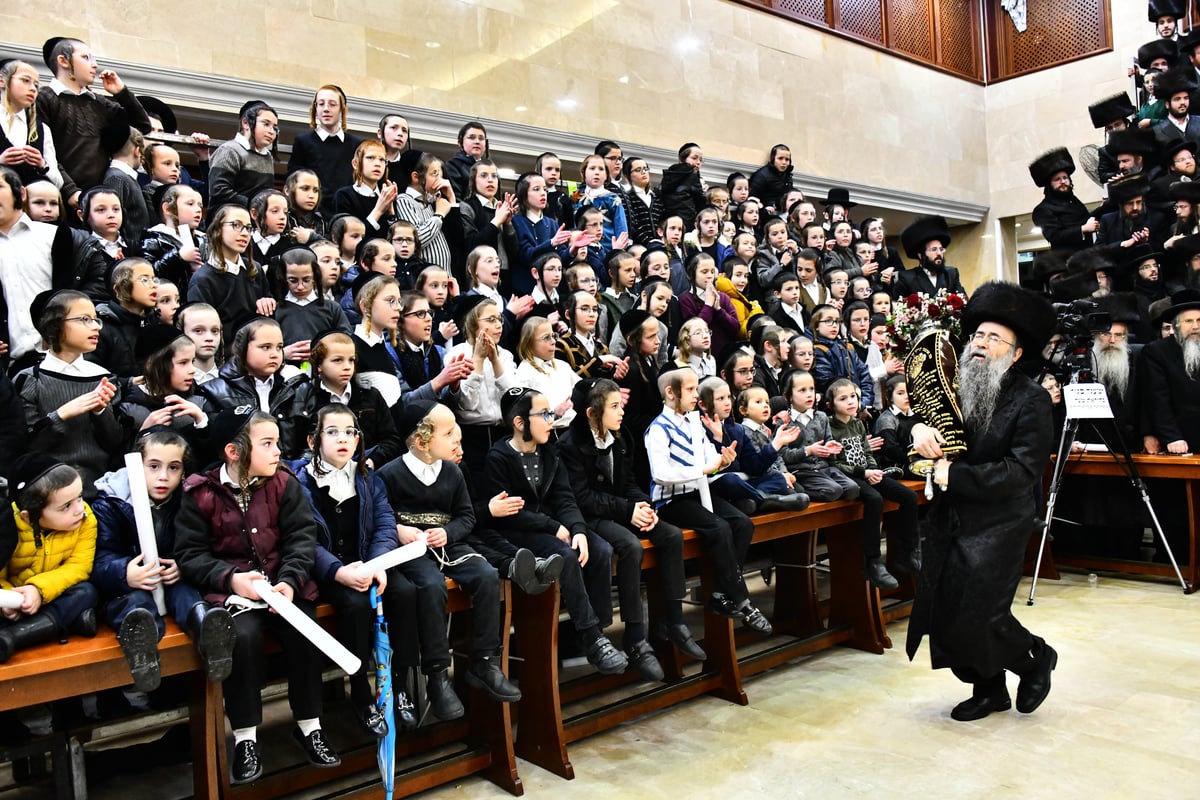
(567, 103)
(433, 45)
(623, 79)
(521, 108)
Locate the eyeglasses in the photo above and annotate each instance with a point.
(745, 371)
(239, 227)
(404, 240)
(829, 321)
(990, 339)
(616, 158)
(549, 337)
(390, 302)
(547, 416)
(87, 322)
(424, 313)
(587, 309)
(145, 280)
(588, 281)
(340, 433)
(293, 281)
(492, 320)
(1148, 266)
(700, 332)
(640, 170)
(1116, 337)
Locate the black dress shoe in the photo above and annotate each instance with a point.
(745, 505)
(756, 620)
(405, 713)
(85, 624)
(642, 657)
(371, 720)
(549, 568)
(979, 707)
(138, 638)
(319, 753)
(246, 766)
(783, 502)
(442, 700)
(724, 607)
(878, 576)
(523, 572)
(1035, 683)
(485, 673)
(606, 658)
(681, 638)
(910, 561)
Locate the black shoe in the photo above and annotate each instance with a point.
(979, 707)
(215, 639)
(85, 624)
(756, 620)
(910, 562)
(724, 607)
(26, 632)
(641, 655)
(783, 502)
(522, 572)
(485, 673)
(549, 568)
(876, 573)
(745, 505)
(405, 713)
(442, 700)
(606, 658)
(1035, 684)
(138, 638)
(681, 638)
(246, 766)
(371, 720)
(319, 753)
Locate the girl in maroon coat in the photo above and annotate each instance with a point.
(244, 521)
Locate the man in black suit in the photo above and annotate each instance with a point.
(926, 240)
(1174, 88)
(1065, 221)
(1170, 369)
(1134, 222)
(1112, 114)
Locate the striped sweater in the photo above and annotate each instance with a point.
(679, 452)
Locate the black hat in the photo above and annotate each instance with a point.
(1127, 187)
(29, 467)
(48, 48)
(1067, 286)
(157, 108)
(1188, 43)
(362, 279)
(1188, 246)
(38, 306)
(1027, 313)
(1183, 300)
(1175, 148)
(633, 319)
(1121, 307)
(1137, 141)
(839, 196)
(227, 423)
(249, 106)
(1111, 109)
(312, 344)
(410, 415)
(1174, 81)
(462, 306)
(683, 148)
(1092, 260)
(1188, 191)
(1048, 164)
(114, 134)
(1048, 263)
(741, 346)
(922, 231)
(1159, 48)
(153, 338)
(408, 161)
(4, 62)
(1134, 256)
(1165, 8)
(1158, 311)
(516, 402)
(650, 280)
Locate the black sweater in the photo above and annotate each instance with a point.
(547, 508)
(332, 161)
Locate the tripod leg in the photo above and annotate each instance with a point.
(1070, 426)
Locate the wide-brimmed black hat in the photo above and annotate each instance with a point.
(1134, 256)
(1183, 300)
(157, 108)
(1159, 48)
(1165, 8)
(1049, 164)
(1127, 187)
(1174, 149)
(838, 196)
(1111, 109)
(1027, 313)
(1188, 191)
(1179, 79)
(1049, 263)
(922, 231)
(1186, 247)
(1136, 141)
(1092, 260)
(1188, 43)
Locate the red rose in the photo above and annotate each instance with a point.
(932, 309)
(955, 301)
(913, 300)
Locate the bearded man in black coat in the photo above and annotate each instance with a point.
(1065, 221)
(1171, 371)
(988, 509)
(926, 239)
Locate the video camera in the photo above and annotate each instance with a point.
(1078, 323)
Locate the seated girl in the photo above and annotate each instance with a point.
(540, 370)
(303, 311)
(134, 304)
(164, 247)
(164, 398)
(581, 349)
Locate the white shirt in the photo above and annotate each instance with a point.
(533, 215)
(335, 397)
(323, 134)
(339, 482)
(25, 272)
(263, 390)
(556, 381)
(244, 141)
(112, 249)
(122, 167)
(373, 338)
(540, 297)
(364, 190)
(588, 340)
(801, 418)
(491, 294)
(301, 301)
(480, 392)
(425, 473)
(751, 425)
(388, 383)
(206, 375)
(58, 87)
(796, 312)
(265, 243)
(80, 367)
(233, 267)
(668, 473)
(16, 129)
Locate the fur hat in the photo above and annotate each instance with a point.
(1158, 311)
(1092, 260)
(1185, 248)
(1049, 263)
(922, 231)
(838, 196)
(1048, 164)
(1174, 81)
(1159, 48)
(1027, 313)
(1123, 189)
(1188, 191)
(1165, 8)
(1138, 141)
(1188, 43)
(1111, 109)
(1121, 306)
(1068, 286)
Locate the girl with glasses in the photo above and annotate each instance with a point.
(583, 348)
(303, 311)
(230, 281)
(540, 370)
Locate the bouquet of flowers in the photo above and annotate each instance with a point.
(919, 312)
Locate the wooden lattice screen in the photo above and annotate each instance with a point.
(1057, 32)
(862, 18)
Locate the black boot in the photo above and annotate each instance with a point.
(523, 572)
(85, 624)
(1035, 676)
(484, 673)
(138, 637)
(988, 696)
(26, 632)
(442, 700)
(211, 629)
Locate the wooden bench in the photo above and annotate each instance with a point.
(57, 671)
(802, 623)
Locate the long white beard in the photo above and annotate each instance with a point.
(1112, 367)
(979, 385)
(1191, 354)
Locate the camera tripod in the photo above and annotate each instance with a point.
(1123, 458)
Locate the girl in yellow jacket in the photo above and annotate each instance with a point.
(48, 571)
(733, 280)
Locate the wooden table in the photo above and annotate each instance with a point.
(1171, 467)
